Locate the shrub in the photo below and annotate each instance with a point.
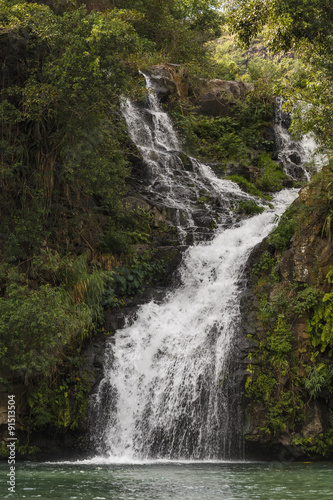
(249, 208)
(116, 242)
(271, 176)
(245, 185)
(280, 237)
(36, 325)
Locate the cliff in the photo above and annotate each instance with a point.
(287, 318)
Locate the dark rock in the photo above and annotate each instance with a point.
(219, 96)
(188, 165)
(288, 183)
(137, 201)
(168, 80)
(98, 361)
(171, 257)
(163, 87)
(295, 158)
(285, 119)
(239, 169)
(286, 265)
(116, 319)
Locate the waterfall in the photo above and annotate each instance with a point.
(300, 159)
(175, 180)
(171, 384)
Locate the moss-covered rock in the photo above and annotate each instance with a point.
(286, 313)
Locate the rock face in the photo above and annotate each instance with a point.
(305, 264)
(218, 96)
(169, 80)
(310, 254)
(215, 98)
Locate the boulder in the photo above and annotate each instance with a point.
(169, 80)
(218, 96)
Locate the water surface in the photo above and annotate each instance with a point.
(179, 481)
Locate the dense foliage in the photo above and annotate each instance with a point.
(288, 376)
(306, 28)
(291, 367)
(67, 238)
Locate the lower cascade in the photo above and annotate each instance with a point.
(168, 382)
(171, 379)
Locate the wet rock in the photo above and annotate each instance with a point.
(93, 355)
(288, 183)
(315, 426)
(285, 119)
(137, 201)
(239, 169)
(171, 257)
(163, 87)
(186, 160)
(295, 158)
(116, 319)
(203, 221)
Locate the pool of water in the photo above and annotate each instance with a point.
(161, 481)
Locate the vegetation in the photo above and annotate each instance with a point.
(305, 28)
(232, 138)
(287, 374)
(70, 248)
(290, 371)
(249, 208)
(67, 238)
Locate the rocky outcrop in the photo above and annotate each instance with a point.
(218, 96)
(212, 97)
(169, 80)
(304, 264)
(311, 253)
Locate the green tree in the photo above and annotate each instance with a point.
(60, 78)
(304, 26)
(179, 28)
(287, 22)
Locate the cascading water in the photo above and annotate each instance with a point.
(170, 382)
(299, 159)
(176, 180)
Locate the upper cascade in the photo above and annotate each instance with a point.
(299, 158)
(176, 180)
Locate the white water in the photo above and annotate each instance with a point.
(300, 159)
(173, 183)
(169, 368)
(171, 387)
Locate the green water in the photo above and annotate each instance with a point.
(179, 481)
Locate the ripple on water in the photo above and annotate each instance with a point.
(181, 481)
